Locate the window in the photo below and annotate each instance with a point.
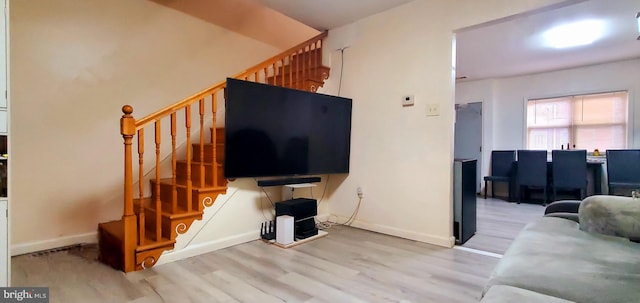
(596, 121)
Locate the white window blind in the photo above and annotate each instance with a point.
(596, 121)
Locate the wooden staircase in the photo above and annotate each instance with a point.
(305, 72)
(156, 214)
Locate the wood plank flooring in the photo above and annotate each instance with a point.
(499, 222)
(349, 265)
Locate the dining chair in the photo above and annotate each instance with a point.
(532, 172)
(623, 169)
(501, 169)
(569, 171)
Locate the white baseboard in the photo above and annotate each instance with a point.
(29, 247)
(402, 233)
(202, 248)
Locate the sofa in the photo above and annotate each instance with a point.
(556, 259)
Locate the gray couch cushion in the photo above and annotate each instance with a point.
(553, 256)
(508, 294)
(611, 215)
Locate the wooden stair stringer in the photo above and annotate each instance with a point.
(172, 224)
(111, 248)
(201, 197)
(148, 255)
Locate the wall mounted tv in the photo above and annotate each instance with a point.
(275, 131)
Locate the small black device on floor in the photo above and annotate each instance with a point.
(268, 230)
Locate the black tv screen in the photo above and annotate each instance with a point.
(276, 131)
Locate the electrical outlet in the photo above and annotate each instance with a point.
(360, 194)
(433, 109)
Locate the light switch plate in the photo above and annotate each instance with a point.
(433, 109)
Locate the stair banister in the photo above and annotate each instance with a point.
(187, 118)
(136, 252)
(158, 205)
(214, 165)
(265, 64)
(174, 188)
(141, 218)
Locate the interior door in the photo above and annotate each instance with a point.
(468, 135)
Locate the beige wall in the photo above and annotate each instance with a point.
(73, 65)
(249, 18)
(400, 157)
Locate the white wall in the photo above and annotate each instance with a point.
(401, 158)
(74, 64)
(510, 94)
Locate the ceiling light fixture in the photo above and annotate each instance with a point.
(638, 20)
(574, 34)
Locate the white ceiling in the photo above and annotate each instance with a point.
(503, 48)
(328, 14)
(515, 47)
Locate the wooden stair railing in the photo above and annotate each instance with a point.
(150, 224)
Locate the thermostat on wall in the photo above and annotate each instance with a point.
(407, 100)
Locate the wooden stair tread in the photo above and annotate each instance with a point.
(182, 184)
(150, 244)
(181, 214)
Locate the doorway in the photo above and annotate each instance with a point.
(468, 135)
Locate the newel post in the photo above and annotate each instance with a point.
(128, 129)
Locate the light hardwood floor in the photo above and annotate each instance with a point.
(499, 222)
(349, 265)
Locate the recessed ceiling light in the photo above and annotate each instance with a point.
(574, 34)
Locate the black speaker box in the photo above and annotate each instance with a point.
(305, 228)
(303, 212)
(299, 208)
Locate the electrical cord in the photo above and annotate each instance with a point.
(262, 208)
(212, 216)
(261, 201)
(341, 69)
(328, 223)
(266, 194)
(326, 184)
(354, 214)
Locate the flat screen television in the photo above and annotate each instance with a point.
(274, 131)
